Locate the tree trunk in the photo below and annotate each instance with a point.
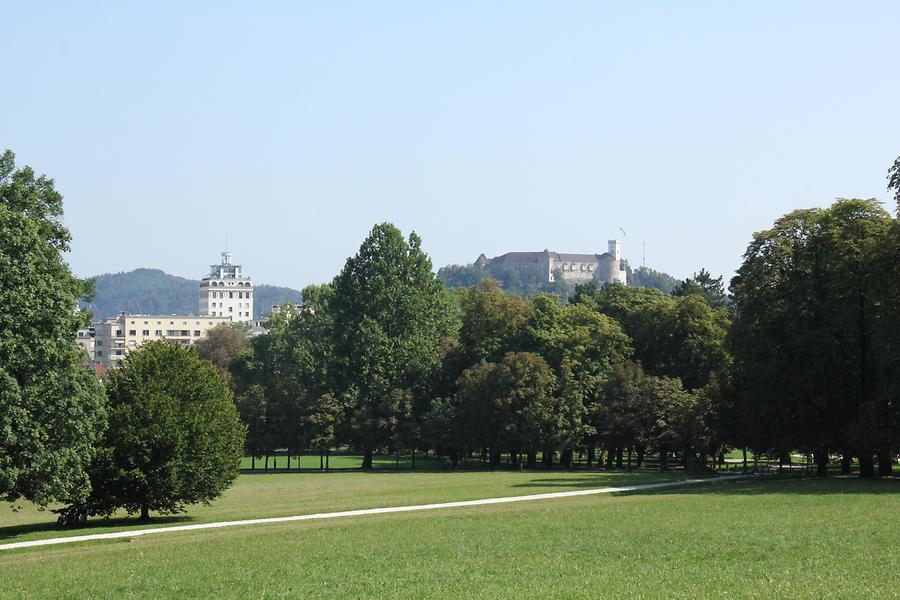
(821, 463)
(745, 458)
(266, 468)
(610, 452)
(327, 456)
(618, 457)
(641, 449)
(515, 458)
(885, 464)
(253, 462)
(629, 458)
(866, 465)
(367, 460)
(289, 460)
(145, 512)
(531, 458)
(495, 458)
(663, 458)
(547, 458)
(592, 454)
(846, 462)
(321, 460)
(565, 459)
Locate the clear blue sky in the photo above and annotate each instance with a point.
(485, 126)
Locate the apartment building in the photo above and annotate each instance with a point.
(114, 338)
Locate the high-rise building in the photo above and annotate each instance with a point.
(227, 292)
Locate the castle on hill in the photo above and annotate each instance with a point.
(608, 267)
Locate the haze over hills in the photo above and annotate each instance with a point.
(154, 291)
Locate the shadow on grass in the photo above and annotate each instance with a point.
(603, 479)
(15, 531)
(768, 484)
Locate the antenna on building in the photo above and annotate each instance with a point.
(643, 253)
(623, 232)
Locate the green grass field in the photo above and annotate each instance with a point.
(759, 538)
(283, 494)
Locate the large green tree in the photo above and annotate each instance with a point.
(390, 316)
(174, 436)
(51, 410)
(809, 297)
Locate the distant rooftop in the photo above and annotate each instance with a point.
(226, 270)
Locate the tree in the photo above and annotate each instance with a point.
(706, 286)
(390, 317)
(222, 345)
(809, 297)
(51, 411)
(492, 322)
(894, 181)
(174, 436)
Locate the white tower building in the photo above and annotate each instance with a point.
(227, 292)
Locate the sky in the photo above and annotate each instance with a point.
(291, 128)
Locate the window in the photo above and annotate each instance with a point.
(196, 333)
(132, 332)
(185, 333)
(231, 294)
(146, 322)
(157, 332)
(99, 352)
(132, 322)
(230, 309)
(171, 322)
(145, 332)
(171, 333)
(98, 343)
(131, 343)
(120, 352)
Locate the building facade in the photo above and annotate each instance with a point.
(608, 267)
(227, 292)
(114, 338)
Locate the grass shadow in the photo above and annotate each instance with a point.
(14, 531)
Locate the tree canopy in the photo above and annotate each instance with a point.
(51, 411)
(174, 436)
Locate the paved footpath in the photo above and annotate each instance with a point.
(357, 513)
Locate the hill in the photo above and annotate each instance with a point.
(155, 291)
(456, 276)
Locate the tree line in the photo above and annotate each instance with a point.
(802, 355)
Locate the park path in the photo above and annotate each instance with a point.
(358, 513)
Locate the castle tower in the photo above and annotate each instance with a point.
(615, 249)
(227, 292)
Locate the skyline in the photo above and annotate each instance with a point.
(509, 127)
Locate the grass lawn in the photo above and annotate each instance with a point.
(751, 539)
(283, 494)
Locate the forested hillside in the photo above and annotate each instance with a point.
(155, 291)
(458, 276)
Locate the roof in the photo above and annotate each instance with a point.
(522, 258)
(518, 258)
